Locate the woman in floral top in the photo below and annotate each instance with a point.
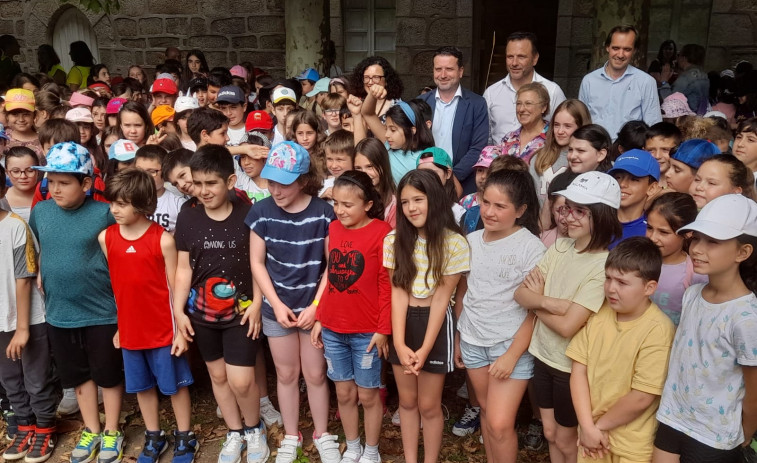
(531, 106)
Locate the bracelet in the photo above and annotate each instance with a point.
(316, 302)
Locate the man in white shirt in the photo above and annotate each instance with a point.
(522, 55)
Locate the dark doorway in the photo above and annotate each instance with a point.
(504, 18)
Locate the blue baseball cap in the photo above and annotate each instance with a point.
(321, 86)
(694, 152)
(122, 150)
(68, 158)
(286, 162)
(230, 94)
(309, 74)
(638, 163)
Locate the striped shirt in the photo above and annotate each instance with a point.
(457, 260)
(295, 249)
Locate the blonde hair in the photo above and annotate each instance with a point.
(547, 155)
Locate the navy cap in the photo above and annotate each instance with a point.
(230, 94)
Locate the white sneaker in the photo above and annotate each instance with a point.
(328, 448)
(218, 412)
(366, 459)
(257, 444)
(269, 414)
(288, 449)
(231, 452)
(396, 418)
(68, 404)
(351, 457)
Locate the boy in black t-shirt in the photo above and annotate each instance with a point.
(214, 282)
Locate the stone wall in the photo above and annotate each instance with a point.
(732, 34)
(575, 43)
(228, 32)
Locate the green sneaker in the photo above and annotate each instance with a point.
(112, 449)
(87, 448)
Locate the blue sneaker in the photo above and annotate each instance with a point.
(469, 423)
(185, 447)
(232, 448)
(155, 445)
(257, 444)
(112, 448)
(87, 448)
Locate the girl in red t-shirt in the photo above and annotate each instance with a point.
(354, 319)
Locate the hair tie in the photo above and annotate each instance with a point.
(352, 180)
(407, 110)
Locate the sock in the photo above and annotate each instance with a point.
(239, 431)
(354, 446)
(250, 428)
(265, 400)
(371, 451)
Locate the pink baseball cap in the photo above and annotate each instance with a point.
(114, 105)
(79, 99)
(488, 153)
(238, 71)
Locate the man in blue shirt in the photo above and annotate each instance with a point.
(460, 117)
(618, 92)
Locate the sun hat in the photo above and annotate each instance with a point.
(321, 86)
(19, 98)
(164, 86)
(726, 217)
(285, 163)
(695, 151)
(68, 158)
(592, 188)
(80, 99)
(258, 120)
(161, 114)
(638, 163)
(676, 105)
(438, 156)
(184, 103)
(122, 150)
(488, 153)
(79, 115)
(114, 105)
(283, 93)
(309, 74)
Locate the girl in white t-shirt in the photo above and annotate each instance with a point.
(493, 330)
(708, 408)
(563, 290)
(665, 216)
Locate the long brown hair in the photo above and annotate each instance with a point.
(376, 153)
(439, 222)
(548, 154)
(317, 154)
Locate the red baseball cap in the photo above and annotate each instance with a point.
(165, 86)
(258, 120)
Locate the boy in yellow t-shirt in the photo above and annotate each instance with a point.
(620, 360)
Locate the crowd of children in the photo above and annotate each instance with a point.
(614, 287)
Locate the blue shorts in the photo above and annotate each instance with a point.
(348, 360)
(479, 357)
(145, 369)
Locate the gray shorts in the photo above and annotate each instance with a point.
(273, 329)
(479, 356)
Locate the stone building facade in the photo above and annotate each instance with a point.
(230, 32)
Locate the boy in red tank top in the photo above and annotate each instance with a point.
(142, 262)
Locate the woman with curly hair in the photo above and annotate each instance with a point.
(376, 70)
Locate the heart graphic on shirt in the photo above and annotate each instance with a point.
(345, 269)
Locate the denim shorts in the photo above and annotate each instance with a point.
(348, 360)
(478, 357)
(148, 368)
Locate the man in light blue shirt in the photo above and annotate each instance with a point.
(618, 92)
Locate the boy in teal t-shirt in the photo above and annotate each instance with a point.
(81, 309)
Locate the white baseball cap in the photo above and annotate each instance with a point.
(726, 217)
(184, 103)
(592, 188)
(284, 93)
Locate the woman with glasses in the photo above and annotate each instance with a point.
(18, 164)
(376, 70)
(531, 108)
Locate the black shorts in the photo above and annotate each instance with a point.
(691, 450)
(552, 390)
(228, 341)
(88, 353)
(440, 359)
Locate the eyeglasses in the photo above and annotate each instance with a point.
(28, 172)
(331, 112)
(577, 214)
(527, 104)
(153, 172)
(373, 79)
